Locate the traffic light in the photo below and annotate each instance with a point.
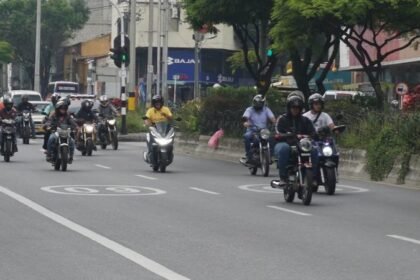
(121, 54)
(270, 52)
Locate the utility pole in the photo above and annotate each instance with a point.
(198, 38)
(150, 69)
(165, 50)
(159, 44)
(37, 47)
(132, 55)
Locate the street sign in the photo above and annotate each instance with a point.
(401, 89)
(175, 77)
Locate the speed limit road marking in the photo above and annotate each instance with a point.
(102, 190)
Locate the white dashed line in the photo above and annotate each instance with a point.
(407, 239)
(102, 166)
(289, 211)
(204, 191)
(123, 251)
(146, 177)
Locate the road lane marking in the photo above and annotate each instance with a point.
(123, 251)
(355, 189)
(146, 177)
(407, 239)
(289, 211)
(103, 190)
(102, 166)
(204, 191)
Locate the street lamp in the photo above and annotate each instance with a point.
(37, 47)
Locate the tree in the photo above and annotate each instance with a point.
(60, 19)
(307, 42)
(6, 52)
(250, 22)
(362, 25)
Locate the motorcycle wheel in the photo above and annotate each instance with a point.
(57, 164)
(253, 170)
(114, 141)
(163, 168)
(155, 168)
(7, 151)
(307, 188)
(103, 146)
(289, 193)
(265, 164)
(330, 181)
(89, 147)
(26, 135)
(64, 158)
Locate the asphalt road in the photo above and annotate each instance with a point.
(111, 217)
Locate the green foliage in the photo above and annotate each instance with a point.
(6, 52)
(134, 121)
(190, 114)
(237, 60)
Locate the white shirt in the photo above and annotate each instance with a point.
(323, 120)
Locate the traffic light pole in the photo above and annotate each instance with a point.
(123, 76)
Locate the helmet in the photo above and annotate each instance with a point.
(87, 105)
(258, 102)
(54, 98)
(297, 93)
(25, 98)
(104, 100)
(157, 99)
(294, 101)
(61, 104)
(8, 102)
(316, 97)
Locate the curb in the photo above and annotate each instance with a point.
(132, 137)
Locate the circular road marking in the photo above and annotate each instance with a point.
(264, 188)
(102, 190)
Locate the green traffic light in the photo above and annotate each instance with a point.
(270, 52)
(124, 57)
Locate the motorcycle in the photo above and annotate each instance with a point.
(8, 134)
(300, 176)
(161, 137)
(328, 159)
(108, 133)
(25, 126)
(260, 152)
(61, 152)
(86, 143)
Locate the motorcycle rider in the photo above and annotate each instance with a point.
(25, 105)
(86, 114)
(255, 116)
(157, 113)
(316, 115)
(60, 116)
(292, 122)
(106, 110)
(8, 113)
(48, 111)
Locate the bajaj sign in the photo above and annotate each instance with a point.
(172, 60)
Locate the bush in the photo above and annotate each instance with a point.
(134, 121)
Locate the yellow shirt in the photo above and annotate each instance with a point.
(155, 115)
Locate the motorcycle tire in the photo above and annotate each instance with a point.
(114, 141)
(330, 181)
(163, 168)
(7, 150)
(265, 164)
(57, 164)
(26, 135)
(155, 168)
(103, 146)
(289, 193)
(253, 170)
(64, 158)
(307, 187)
(89, 147)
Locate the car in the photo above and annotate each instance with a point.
(37, 116)
(17, 96)
(63, 88)
(341, 94)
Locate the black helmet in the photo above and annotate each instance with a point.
(61, 104)
(297, 93)
(258, 102)
(54, 98)
(87, 105)
(8, 102)
(104, 100)
(157, 99)
(294, 101)
(316, 97)
(25, 98)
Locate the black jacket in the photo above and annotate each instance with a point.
(86, 116)
(55, 121)
(297, 125)
(28, 106)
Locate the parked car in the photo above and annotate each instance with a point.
(37, 116)
(341, 94)
(17, 96)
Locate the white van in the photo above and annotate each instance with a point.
(63, 88)
(341, 94)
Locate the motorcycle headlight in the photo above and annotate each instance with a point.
(111, 122)
(265, 134)
(163, 141)
(327, 151)
(89, 128)
(305, 145)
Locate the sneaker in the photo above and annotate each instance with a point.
(48, 158)
(277, 184)
(70, 160)
(15, 149)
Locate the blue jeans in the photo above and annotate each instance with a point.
(51, 144)
(282, 152)
(248, 140)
